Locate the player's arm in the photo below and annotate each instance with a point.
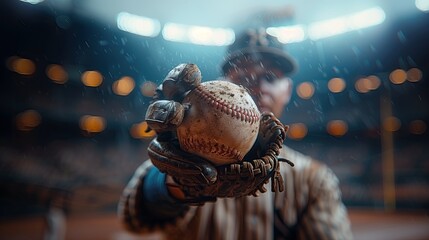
(146, 202)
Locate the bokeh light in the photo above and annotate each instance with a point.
(92, 124)
(148, 89)
(337, 128)
(398, 76)
(297, 131)
(28, 120)
(21, 66)
(391, 124)
(422, 5)
(288, 34)
(335, 26)
(92, 78)
(139, 25)
(366, 84)
(123, 86)
(363, 85)
(198, 34)
(56, 73)
(32, 1)
(141, 130)
(414, 75)
(305, 90)
(417, 127)
(336, 85)
(374, 82)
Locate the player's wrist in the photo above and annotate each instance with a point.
(173, 188)
(154, 188)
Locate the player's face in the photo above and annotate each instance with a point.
(268, 86)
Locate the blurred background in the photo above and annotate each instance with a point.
(77, 76)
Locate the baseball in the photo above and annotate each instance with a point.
(221, 122)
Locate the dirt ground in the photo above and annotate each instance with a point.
(366, 225)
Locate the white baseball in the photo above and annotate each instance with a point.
(221, 124)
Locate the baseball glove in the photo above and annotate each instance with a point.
(199, 179)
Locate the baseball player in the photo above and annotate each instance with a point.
(187, 198)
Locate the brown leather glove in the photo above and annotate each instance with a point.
(199, 179)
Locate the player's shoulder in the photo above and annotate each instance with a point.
(299, 159)
(309, 172)
(304, 164)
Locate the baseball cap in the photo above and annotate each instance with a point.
(256, 44)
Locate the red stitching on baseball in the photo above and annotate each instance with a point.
(247, 115)
(206, 146)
